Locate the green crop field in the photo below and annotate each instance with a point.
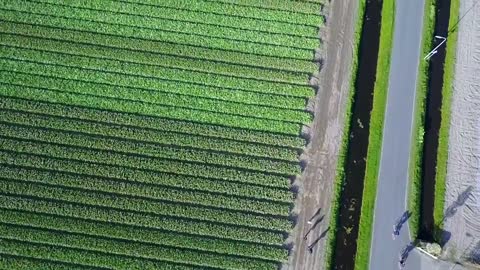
(142, 134)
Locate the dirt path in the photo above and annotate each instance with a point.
(326, 133)
(462, 199)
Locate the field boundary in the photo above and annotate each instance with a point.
(442, 154)
(375, 135)
(342, 157)
(416, 153)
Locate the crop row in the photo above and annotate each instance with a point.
(208, 18)
(131, 248)
(18, 262)
(142, 108)
(183, 15)
(207, 229)
(140, 190)
(140, 162)
(292, 6)
(22, 14)
(222, 98)
(146, 135)
(147, 206)
(155, 91)
(151, 123)
(143, 45)
(154, 59)
(240, 11)
(114, 173)
(148, 72)
(122, 76)
(84, 257)
(173, 26)
(149, 150)
(142, 235)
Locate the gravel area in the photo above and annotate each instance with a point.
(462, 198)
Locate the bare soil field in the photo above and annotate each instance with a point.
(462, 198)
(326, 131)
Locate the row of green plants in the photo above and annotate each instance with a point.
(174, 26)
(142, 235)
(10, 261)
(82, 257)
(142, 135)
(125, 70)
(290, 16)
(158, 60)
(308, 7)
(139, 107)
(24, 202)
(132, 249)
(11, 13)
(150, 150)
(152, 123)
(123, 173)
(26, 28)
(147, 191)
(181, 167)
(154, 207)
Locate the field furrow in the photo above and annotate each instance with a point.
(114, 173)
(142, 235)
(208, 229)
(145, 45)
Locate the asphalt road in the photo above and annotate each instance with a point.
(391, 200)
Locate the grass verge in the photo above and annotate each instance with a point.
(375, 135)
(442, 154)
(342, 157)
(416, 153)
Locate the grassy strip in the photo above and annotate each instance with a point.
(415, 166)
(375, 135)
(342, 157)
(447, 91)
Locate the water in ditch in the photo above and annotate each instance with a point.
(432, 122)
(352, 189)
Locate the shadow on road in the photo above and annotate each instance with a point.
(401, 220)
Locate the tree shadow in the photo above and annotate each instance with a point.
(474, 255)
(461, 200)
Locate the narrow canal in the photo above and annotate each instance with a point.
(352, 190)
(432, 121)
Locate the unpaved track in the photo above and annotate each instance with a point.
(463, 169)
(327, 128)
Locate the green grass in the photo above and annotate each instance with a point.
(342, 156)
(152, 135)
(375, 136)
(442, 155)
(415, 165)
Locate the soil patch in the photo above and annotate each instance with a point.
(326, 132)
(463, 168)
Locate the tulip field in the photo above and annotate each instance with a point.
(152, 134)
